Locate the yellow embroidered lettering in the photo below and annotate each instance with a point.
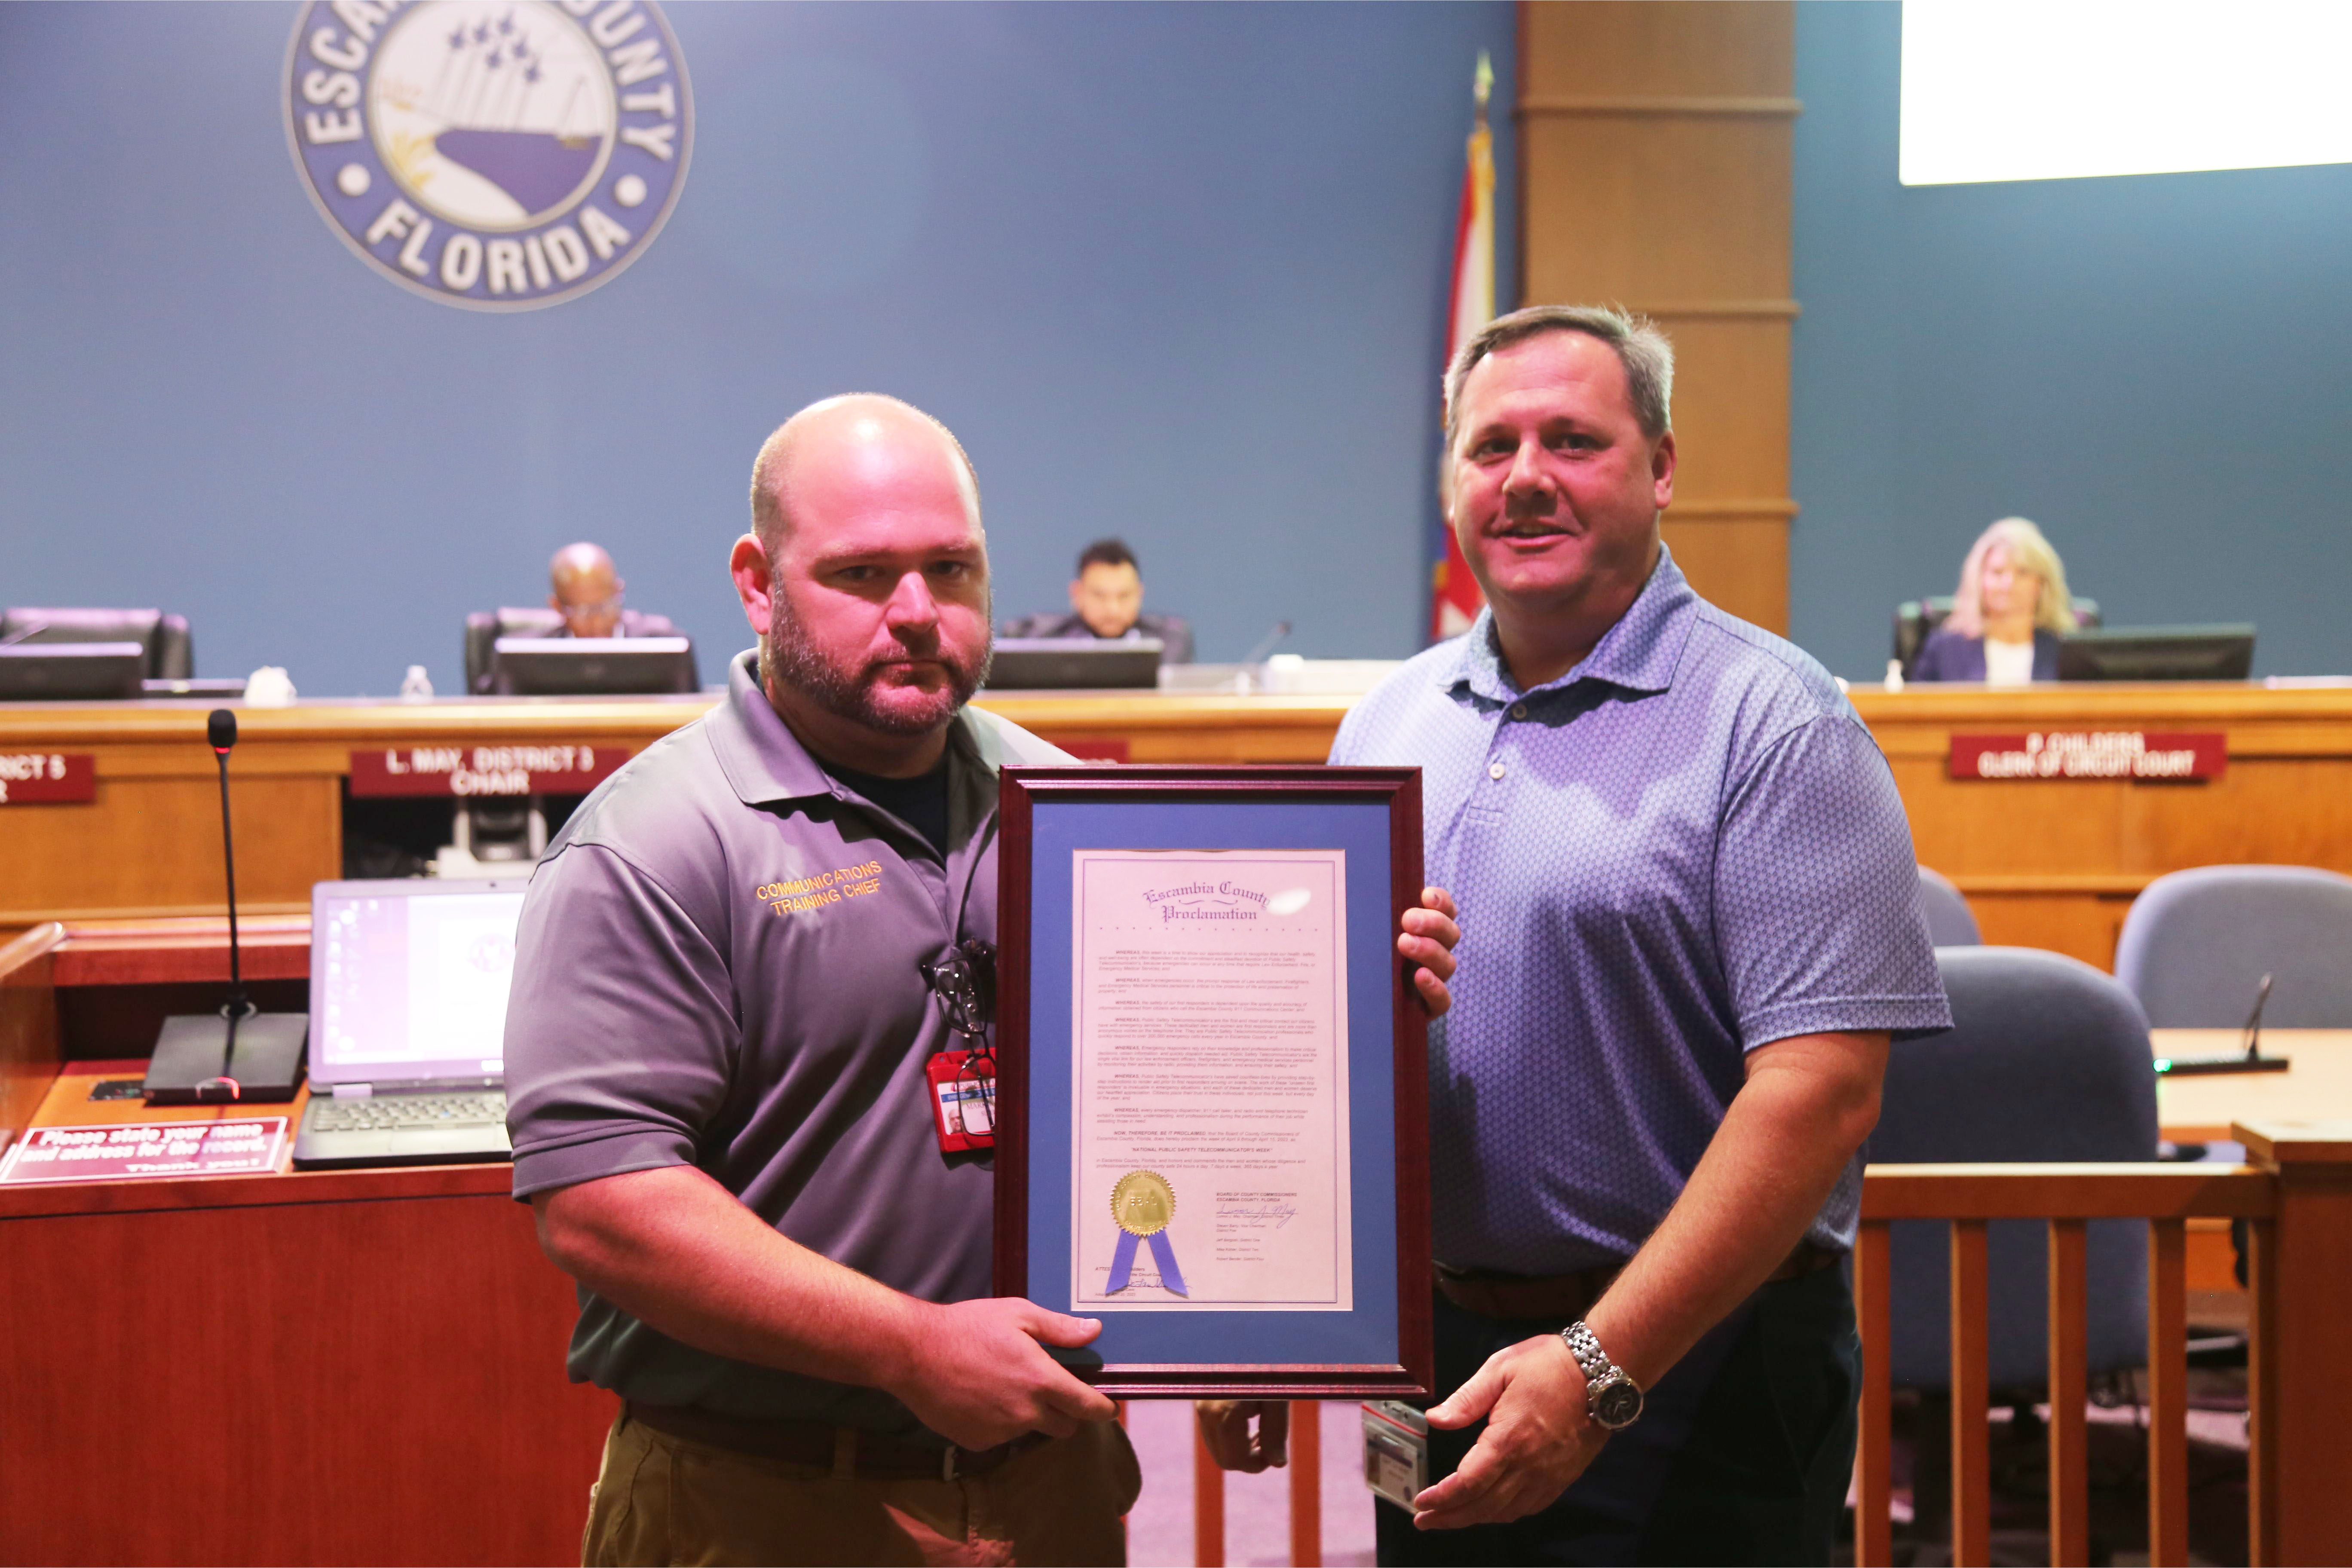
(802, 893)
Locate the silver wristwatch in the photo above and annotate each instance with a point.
(1609, 1396)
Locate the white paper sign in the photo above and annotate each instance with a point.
(1209, 1091)
(146, 1152)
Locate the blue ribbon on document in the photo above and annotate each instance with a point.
(1142, 1203)
(1122, 1262)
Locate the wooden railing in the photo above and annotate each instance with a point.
(1306, 1472)
(2296, 1198)
(2298, 1201)
(2067, 1197)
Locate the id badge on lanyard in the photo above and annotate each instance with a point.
(963, 1100)
(1396, 1451)
(963, 1078)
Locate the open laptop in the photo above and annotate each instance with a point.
(408, 1016)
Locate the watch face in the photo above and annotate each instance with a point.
(1616, 1405)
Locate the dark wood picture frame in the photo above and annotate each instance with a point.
(1414, 1370)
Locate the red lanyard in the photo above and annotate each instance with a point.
(964, 1082)
(963, 1100)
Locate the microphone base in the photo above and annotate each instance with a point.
(268, 1065)
(2193, 1066)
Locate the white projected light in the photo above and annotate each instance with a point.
(2056, 90)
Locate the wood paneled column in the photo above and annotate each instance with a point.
(1655, 153)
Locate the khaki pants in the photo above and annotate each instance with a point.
(662, 1500)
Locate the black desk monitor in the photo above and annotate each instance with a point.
(1072, 664)
(2159, 653)
(71, 671)
(593, 666)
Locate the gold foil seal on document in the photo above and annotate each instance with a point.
(1142, 1203)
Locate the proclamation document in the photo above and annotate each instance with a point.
(1209, 1091)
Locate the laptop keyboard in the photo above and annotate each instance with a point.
(387, 1114)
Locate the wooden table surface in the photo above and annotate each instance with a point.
(148, 845)
(2047, 863)
(2316, 1087)
(2200, 1108)
(68, 1104)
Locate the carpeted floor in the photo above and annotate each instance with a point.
(1257, 1508)
(2117, 1442)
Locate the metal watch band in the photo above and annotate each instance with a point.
(1612, 1399)
(1587, 1351)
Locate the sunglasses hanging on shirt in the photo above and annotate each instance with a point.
(963, 1077)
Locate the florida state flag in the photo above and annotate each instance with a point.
(1455, 599)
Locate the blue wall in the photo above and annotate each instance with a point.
(2157, 369)
(1171, 271)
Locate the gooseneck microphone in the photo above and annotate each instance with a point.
(240, 1052)
(220, 730)
(1280, 630)
(2249, 1060)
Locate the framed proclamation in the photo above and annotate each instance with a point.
(1212, 1097)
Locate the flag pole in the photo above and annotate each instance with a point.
(1454, 598)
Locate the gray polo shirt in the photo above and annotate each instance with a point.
(716, 966)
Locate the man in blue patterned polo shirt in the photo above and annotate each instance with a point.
(1690, 929)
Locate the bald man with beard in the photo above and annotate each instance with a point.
(715, 1046)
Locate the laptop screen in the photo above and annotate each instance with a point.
(408, 979)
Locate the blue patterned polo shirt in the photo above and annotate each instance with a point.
(1685, 847)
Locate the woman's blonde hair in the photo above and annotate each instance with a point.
(2053, 609)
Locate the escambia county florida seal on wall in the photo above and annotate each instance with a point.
(496, 154)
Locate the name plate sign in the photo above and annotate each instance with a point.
(146, 1152)
(43, 778)
(496, 768)
(2132, 754)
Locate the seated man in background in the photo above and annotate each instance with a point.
(1107, 602)
(583, 601)
(2012, 608)
(586, 592)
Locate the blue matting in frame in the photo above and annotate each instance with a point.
(1369, 1335)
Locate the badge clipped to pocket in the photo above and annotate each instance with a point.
(963, 1078)
(963, 1100)
(1396, 1451)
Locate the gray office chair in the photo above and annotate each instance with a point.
(170, 652)
(1951, 921)
(1915, 618)
(483, 631)
(2197, 943)
(2047, 1059)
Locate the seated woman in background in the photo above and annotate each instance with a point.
(2012, 608)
